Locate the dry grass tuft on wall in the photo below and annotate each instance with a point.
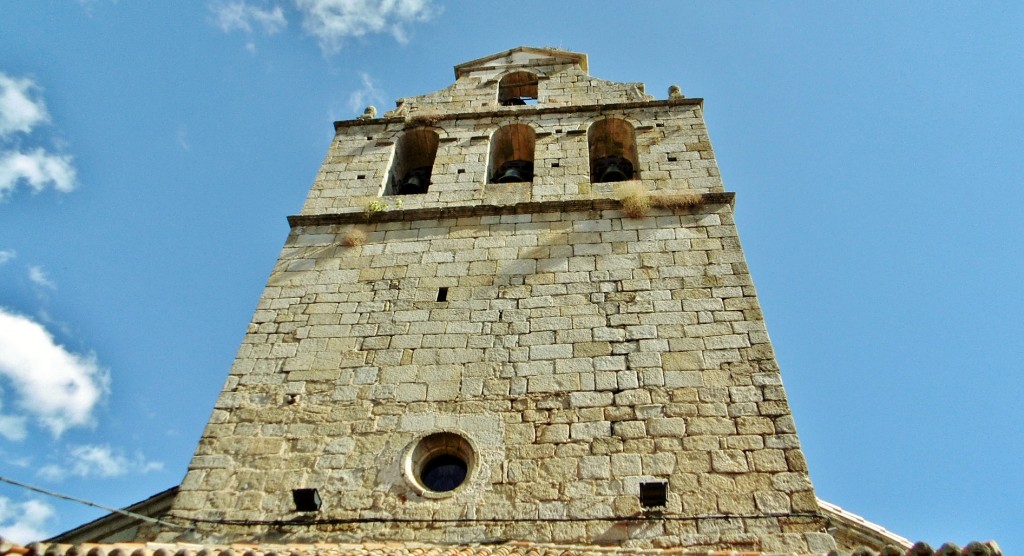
(634, 199)
(677, 200)
(353, 237)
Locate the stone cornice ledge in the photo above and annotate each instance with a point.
(520, 111)
(464, 211)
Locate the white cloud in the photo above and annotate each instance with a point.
(24, 522)
(97, 461)
(239, 15)
(367, 94)
(38, 168)
(38, 277)
(12, 427)
(19, 110)
(331, 21)
(6, 255)
(57, 388)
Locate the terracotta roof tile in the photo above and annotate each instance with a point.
(515, 548)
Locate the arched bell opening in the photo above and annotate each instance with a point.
(413, 163)
(518, 89)
(511, 157)
(612, 151)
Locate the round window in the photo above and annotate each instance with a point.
(443, 473)
(439, 463)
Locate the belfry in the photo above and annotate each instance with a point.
(512, 313)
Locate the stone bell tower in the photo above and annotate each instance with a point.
(513, 309)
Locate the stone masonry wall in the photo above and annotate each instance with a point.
(578, 353)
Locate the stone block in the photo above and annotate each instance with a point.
(629, 429)
(772, 502)
(591, 349)
(590, 431)
(666, 426)
(769, 460)
(729, 461)
(590, 399)
(595, 467)
(556, 433)
(682, 361)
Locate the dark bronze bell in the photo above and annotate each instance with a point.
(514, 101)
(613, 168)
(514, 171)
(416, 181)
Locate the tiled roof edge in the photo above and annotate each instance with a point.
(835, 512)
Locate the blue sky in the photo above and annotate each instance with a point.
(150, 151)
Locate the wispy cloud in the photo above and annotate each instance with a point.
(367, 94)
(22, 110)
(6, 255)
(21, 107)
(38, 277)
(88, 461)
(183, 138)
(331, 22)
(52, 385)
(239, 15)
(24, 522)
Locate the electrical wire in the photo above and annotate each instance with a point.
(653, 516)
(145, 518)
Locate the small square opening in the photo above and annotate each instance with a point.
(306, 499)
(361, 177)
(442, 294)
(671, 159)
(653, 494)
(554, 165)
(460, 171)
(659, 125)
(369, 137)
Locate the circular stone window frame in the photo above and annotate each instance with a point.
(431, 445)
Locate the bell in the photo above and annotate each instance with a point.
(510, 176)
(412, 185)
(514, 171)
(514, 101)
(613, 168)
(415, 182)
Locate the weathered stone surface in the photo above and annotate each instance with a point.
(577, 351)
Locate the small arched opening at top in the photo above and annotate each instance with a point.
(518, 89)
(511, 156)
(413, 163)
(612, 145)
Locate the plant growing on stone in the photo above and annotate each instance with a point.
(634, 199)
(423, 119)
(677, 200)
(376, 206)
(353, 237)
